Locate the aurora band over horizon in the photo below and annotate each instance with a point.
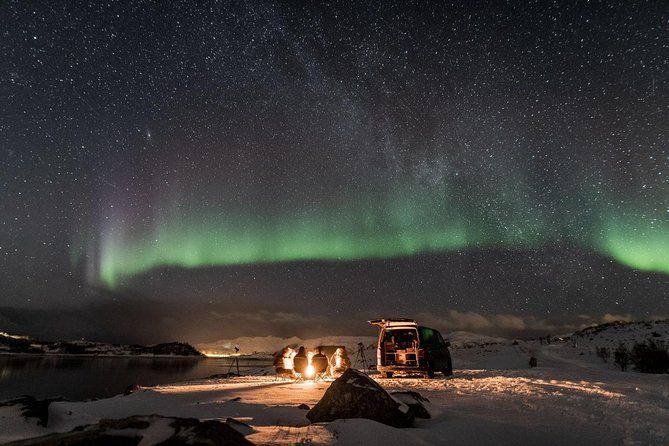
(420, 219)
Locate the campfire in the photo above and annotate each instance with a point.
(318, 363)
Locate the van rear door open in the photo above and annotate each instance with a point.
(393, 322)
(400, 346)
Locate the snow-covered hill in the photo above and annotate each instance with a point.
(628, 333)
(465, 339)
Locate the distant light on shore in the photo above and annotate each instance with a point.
(219, 355)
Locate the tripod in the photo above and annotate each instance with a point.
(360, 358)
(235, 362)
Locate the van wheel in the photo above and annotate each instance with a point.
(388, 374)
(448, 370)
(430, 373)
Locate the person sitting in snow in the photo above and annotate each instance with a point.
(283, 361)
(300, 361)
(320, 363)
(339, 361)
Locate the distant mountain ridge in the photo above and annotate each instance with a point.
(12, 344)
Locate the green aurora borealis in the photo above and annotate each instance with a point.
(641, 245)
(422, 218)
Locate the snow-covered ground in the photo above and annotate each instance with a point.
(572, 398)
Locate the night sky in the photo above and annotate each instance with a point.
(226, 168)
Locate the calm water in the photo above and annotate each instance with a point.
(78, 378)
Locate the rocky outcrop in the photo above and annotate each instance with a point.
(155, 429)
(23, 344)
(356, 395)
(169, 348)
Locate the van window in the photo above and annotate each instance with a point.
(428, 336)
(402, 339)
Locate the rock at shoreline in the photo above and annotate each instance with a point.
(356, 395)
(156, 429)
(33, 408)
(132, 388)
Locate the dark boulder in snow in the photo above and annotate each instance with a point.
(159, 430)
(356, 395)
(415, 402)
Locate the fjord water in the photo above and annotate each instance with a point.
(85, 377)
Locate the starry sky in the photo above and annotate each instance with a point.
(282, 141)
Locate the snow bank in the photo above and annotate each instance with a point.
(362, 431)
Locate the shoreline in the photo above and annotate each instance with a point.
(102, 355)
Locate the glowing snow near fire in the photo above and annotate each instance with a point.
(309, 372)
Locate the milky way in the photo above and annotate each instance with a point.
(138, 135)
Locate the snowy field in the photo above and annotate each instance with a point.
(571, 398)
